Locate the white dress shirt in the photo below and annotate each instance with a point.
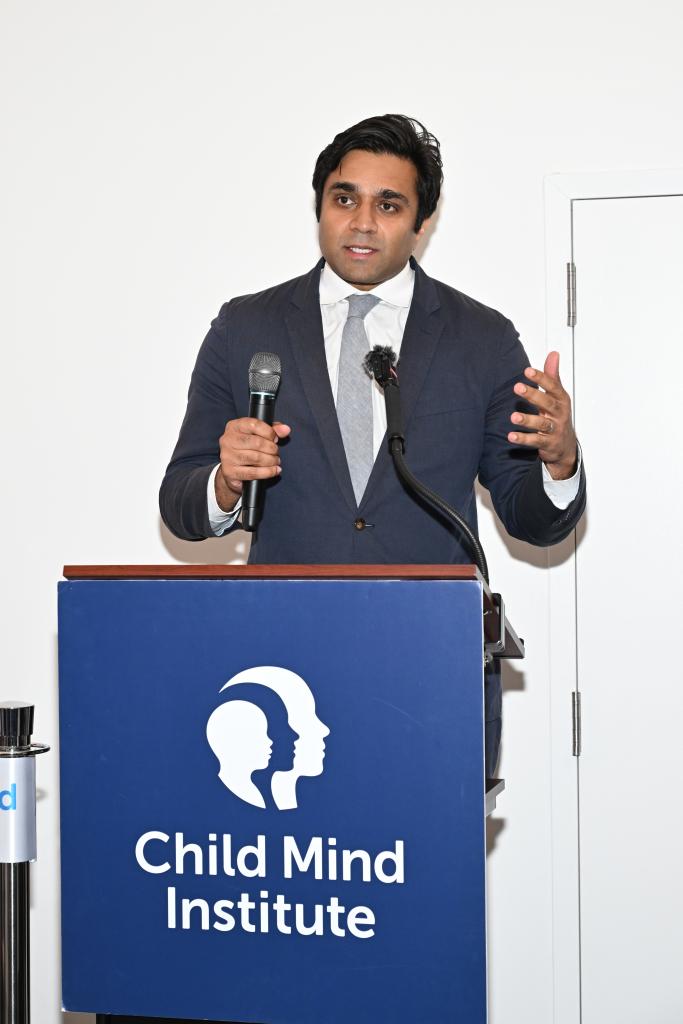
(384, 325)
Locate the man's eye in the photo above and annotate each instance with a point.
(345, 200)
(387, 207)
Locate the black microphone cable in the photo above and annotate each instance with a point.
(380, 364)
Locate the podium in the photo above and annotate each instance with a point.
(272, 792)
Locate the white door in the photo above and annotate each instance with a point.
(628, 399)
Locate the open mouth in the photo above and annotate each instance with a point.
(360, 251)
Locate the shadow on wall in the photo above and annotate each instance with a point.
(494, 827)
(230, 550)
(512, 676)
(430, 231)
(563, 552)
(234, 549)
(520, 551)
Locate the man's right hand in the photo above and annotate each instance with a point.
(249, 451)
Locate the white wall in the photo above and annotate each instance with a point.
(157, 160)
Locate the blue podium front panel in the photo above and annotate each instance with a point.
(272, 800)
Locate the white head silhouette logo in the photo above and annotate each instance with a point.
(237, 732)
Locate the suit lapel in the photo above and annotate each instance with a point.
(424, 327)
(304, 323)
(421, 336)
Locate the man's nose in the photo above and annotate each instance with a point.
(364, 218)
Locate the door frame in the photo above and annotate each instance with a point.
(561, 192)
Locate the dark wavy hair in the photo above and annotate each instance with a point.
(389, 133)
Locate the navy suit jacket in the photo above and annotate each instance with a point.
(459, 362)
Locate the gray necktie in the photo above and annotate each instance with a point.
(354, 394)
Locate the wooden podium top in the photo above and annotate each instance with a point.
(497, 629)
(272, 572)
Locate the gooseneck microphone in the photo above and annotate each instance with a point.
(265, 372)
(380, 363)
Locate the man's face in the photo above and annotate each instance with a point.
(367, 217)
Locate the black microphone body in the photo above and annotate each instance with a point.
(261, 407)
(264, 380)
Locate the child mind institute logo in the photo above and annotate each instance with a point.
(266, 736)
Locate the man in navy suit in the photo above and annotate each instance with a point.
(464, 376)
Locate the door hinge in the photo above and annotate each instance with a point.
(571, 295)
(576, 723)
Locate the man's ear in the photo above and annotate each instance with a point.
(425, 224)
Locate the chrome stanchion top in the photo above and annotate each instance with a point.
(17, 850)
(16, 730)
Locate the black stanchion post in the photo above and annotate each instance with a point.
(17, 850)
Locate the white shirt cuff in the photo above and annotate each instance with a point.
(563, 492)
(219, 520)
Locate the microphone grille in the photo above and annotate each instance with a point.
(379, 364)
(265, 371)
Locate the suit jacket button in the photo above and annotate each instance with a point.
(360, 524)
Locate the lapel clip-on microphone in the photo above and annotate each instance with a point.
(380, 364)
(265, 373)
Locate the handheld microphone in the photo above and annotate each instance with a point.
(265, 372)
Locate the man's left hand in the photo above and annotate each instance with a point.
(551, 431)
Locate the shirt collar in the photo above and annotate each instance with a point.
(397, 291)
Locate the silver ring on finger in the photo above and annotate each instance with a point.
(550, 426)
